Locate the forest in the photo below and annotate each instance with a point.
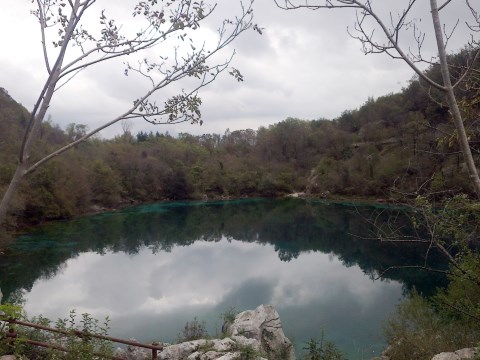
(392, 148)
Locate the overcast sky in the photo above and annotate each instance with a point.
(304, 65)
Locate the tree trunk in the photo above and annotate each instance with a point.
(452, 101)
(36, 121)
(22, 167)
(12, 188)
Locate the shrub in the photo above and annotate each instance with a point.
(418, 331)
(228, 318)
(450, 320)
(85, 348)
(322, 349)
(193, 330)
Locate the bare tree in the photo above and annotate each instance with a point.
(72, 43)
(379, 34)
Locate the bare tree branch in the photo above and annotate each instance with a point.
(392, 48)
(163, 21)
(469, 69)
(417, 267)
(445, 4)
(460, 310)
(43, 25)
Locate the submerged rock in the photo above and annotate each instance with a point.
(257, 334)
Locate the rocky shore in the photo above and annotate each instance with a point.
(257, 334)
(253, 334)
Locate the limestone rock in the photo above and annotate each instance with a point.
(230, 356)
(195, 356)
(257, 331)
(182, 350)
(263, 324)
(467, 353)
(133, 352)
(224, 345)
(211, 355)
(242, 341)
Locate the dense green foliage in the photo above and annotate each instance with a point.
(418, 331)
(449, 320)
(395, 145)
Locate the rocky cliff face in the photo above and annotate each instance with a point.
(254, 334)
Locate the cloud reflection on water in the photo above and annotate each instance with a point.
(152, 295)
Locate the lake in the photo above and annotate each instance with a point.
(152, 268)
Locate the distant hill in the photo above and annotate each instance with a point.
(393, 147)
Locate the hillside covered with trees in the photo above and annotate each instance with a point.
(392, 147)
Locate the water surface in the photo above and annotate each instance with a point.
(152, 268)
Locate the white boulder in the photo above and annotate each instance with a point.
(263, 325)
(467, 353)
(256, 332)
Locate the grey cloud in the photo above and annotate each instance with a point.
(248, 295)
(304, 65)
(150, 296)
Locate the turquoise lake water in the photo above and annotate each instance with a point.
(152, 268)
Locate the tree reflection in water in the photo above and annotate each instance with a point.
(300, 232)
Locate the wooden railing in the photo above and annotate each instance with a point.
(13, 335)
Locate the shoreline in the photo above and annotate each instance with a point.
(24, 227)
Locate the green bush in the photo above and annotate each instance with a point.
(418, 330)
(8, 311)
(193, 330)
(460, 301)
(450, 320)
(85, 348)
(322, 349)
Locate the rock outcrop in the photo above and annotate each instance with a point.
(467, 353)
(257, 334)
(263, 325)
